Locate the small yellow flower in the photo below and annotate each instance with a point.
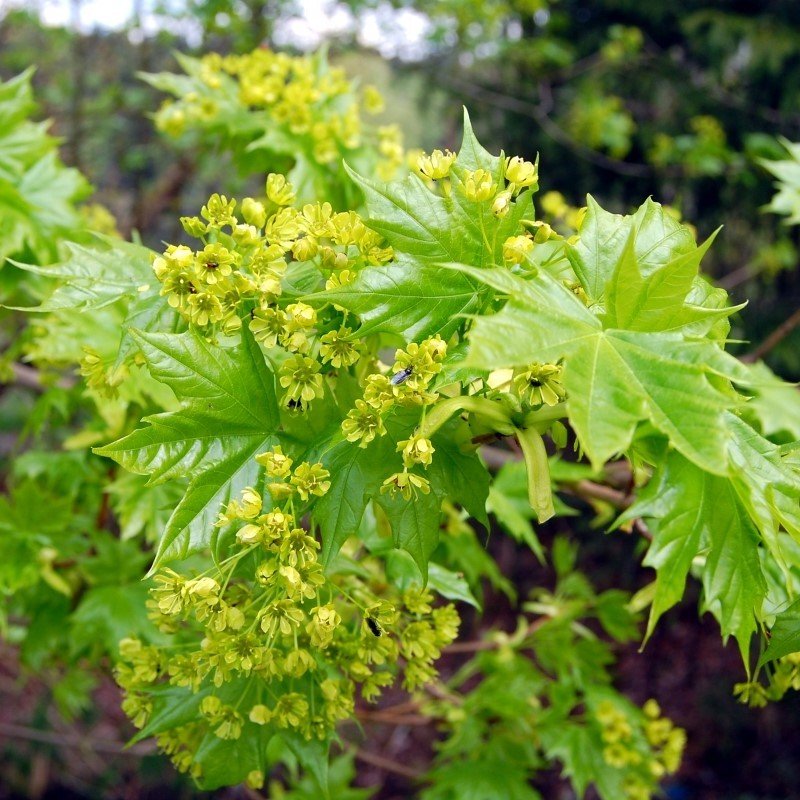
(336, 350)
(478, 185)
(250, 506)
(515, 248)
(363, 423)
(521, 172)
(501, 204)
(219, 211)
(305, 249)
(254, 212)
(372, 100)
(267, 325)
(553, 204)
(300, 316)
(310, 479)
(279, 190)
(204, 308)
(416, 450)
(437, 165)
(407, 484)
(302, 381)
(277, 463)
(260, 714)
(215, 262)
(540, 383)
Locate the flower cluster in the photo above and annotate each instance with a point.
(301, 95)
(407, 384)
(267, 638)
(246, 251)
(99, 376)
(649, 746)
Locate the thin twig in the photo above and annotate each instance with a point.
(554, 131)
(774, 339)
(30, 378)
(493, 644)
(598, 491)
(387, 764)
(495, 458)
(79, 742)
(380, 716)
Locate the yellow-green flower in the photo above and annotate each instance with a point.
(282, 615)
(515, 248)
(260, 714)
(298, 548)
(437, 165)
(215, 262)
(372, 100)
(406, 483)
(203, 308)
(300, 316)
(267, 325)
(305, 249)
(310, 479)
(302, 381)
(291, 711)
(279, 190)
(521, 172)
(501, 204)
(363, 423)
(478, 185)
(277, 463)
(254, 212)
(277, 523)
(540, 383)
(416, 450)
(336, 350)
(283, 228)
(219, 211)
(324, 621)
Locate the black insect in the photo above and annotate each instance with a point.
(374, 626)
(402, 376)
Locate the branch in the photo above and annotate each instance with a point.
(597, 491)
(494, 644)
(538, 112)
(78, 742)
(164, 192)
(495, 458)
(387, 764)
(30, 378)
(389, 718)
(774, 339)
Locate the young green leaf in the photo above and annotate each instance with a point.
(228, 415)
(615, 379)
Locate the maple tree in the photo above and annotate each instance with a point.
(297, 400)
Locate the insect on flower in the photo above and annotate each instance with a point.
(402, 376)
(374, 626)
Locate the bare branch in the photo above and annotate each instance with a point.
(387, 764)
(774, 339)
(30, 378)
(79, 742)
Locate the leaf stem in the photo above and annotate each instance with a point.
(540, 494)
